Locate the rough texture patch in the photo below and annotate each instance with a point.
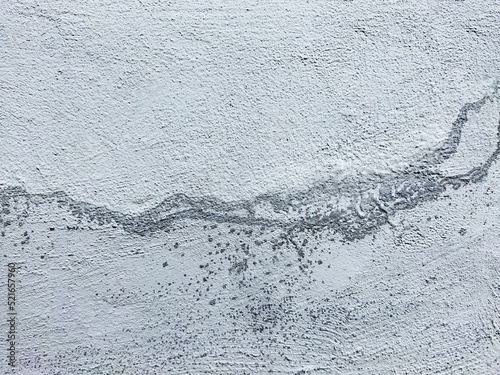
(143, 246)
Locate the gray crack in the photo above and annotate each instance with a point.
(372, 200)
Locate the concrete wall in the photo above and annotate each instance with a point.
(243, 188)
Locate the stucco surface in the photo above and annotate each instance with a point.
(254, 187)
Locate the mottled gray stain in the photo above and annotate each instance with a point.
(258, 283)
(371, 200)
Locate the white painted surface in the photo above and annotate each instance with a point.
(123, 104)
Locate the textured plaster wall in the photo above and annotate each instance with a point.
(252, 187)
